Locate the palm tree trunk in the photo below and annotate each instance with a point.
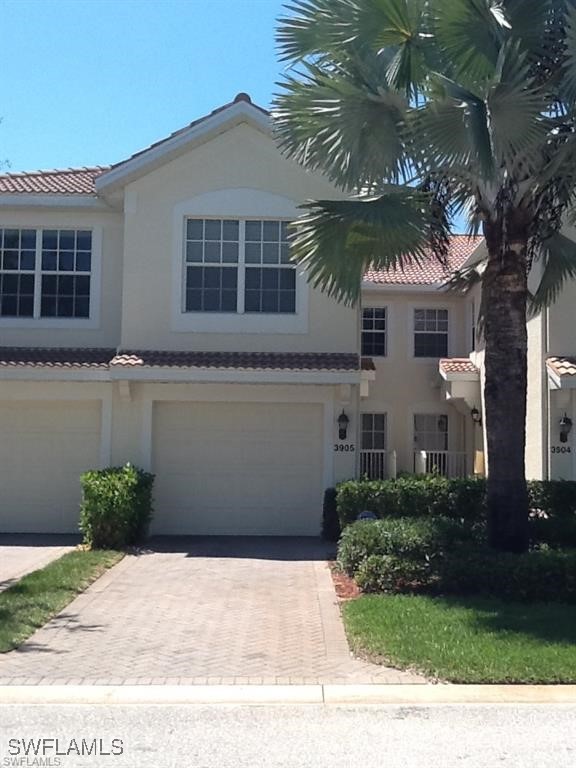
(505, 293)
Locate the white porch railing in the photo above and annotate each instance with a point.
(446, 463)
(374, 464)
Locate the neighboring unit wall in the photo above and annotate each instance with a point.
(536, 404)
(238, 174)
(562, 343)
(103, 328)
(406, 385)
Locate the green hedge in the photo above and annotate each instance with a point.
(553, 512)
(418, 538)
(548, 576)
(116, 506)
(552, 503)
(414, 496)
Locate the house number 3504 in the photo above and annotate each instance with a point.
(561, 449)
(344, 448)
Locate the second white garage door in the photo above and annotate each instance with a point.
(238, 468)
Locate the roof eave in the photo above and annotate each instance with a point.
(463, 376)
(367, 285)
(560, 381)
(50, 200)
(142, 163)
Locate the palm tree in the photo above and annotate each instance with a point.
(421, 110)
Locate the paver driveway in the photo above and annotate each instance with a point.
(222, 610)
(22, 553)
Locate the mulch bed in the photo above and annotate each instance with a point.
(345, 586)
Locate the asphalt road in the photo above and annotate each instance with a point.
(195, 736)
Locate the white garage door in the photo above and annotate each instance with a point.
(44, 447)
(238, 468)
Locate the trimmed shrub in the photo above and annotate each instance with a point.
(553, 512)
(330, 524)
(415, 496)
(388, 573)
(538, 576)
(358, 542)
(552, 503)
(541, 575)
(116, 506)
(419, 539)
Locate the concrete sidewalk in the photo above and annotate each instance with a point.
(351, 694)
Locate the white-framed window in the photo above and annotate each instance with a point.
(431, 431)
(374, 332)
(238, 266)
(45, 273)
(373, 435)
(430, 333)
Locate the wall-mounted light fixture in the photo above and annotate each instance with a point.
(343, 422)
(476, 416)
(565, 425)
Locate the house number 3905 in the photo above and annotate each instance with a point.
(344, 447)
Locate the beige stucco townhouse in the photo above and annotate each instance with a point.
(149, 312)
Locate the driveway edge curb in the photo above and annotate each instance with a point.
(413, 695)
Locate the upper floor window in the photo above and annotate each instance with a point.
(374, 332)
(241, 266)
(45, 273)
(430, 333)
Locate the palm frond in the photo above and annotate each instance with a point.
(468, 114)
(558, 255)
(336, 241)
(310, 27)
(569, 69)
(470, 33)
(518, 122)
(346, 122)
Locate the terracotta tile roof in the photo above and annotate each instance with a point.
(11, 357)
(65, 357)
(458, 365)
(367, 364)
(80, 181)
(250, 361)
(70, 181)
(562, 366)
(430, 270)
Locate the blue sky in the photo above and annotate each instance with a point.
(88, 82)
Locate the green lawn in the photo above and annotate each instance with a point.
(476, 640)
(33, 600)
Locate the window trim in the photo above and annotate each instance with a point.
(240, 265)
(93, 319)
(411, 340)
(386, 332)
(240, 203)
(385, 431)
